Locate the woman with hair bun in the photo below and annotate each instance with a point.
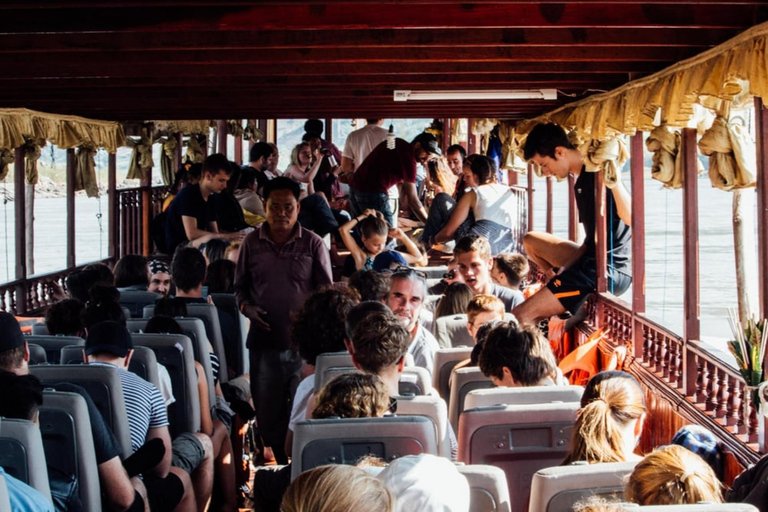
(610, 420)
(673, 475)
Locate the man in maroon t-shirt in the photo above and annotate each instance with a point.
(385, 167)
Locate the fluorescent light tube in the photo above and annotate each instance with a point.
(510, 94)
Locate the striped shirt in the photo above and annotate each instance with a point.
(144, 405)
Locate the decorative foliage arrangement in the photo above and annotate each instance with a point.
(748, 347)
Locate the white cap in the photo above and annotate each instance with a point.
(426, 483)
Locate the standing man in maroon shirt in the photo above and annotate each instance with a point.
(280, 264)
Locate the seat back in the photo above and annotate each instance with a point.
(519, 439)
(174, 351)
(527, 395)
(135, 301)
(143, 362)
(210, 318)
(53, 344)
(68, 442)
(194, 329)
(698, 507)
(345, 441)
(451, 331)
(488, 490)
(464, 381)
(237, 355)
(22, 455)
(415, 380)
(331, 364)
(560, 487)
(5, 500)
(434, 408)
(37, 354)
(103, 385)
(445, 360)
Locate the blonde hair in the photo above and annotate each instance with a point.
(484, 304)
(673, 475)
(352, 395)
(611, 401)
(441, 175)
(295, 153)
(597, 504)
(473, 243)
(337, 488)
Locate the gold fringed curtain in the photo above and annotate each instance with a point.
(185, 127)
(508, 146)
(608, 156)
(731, 155)
(194, 153)
(667, 160)
(235, 127)
(6, 158)
(167, 167)
(141, 157)
(32, 154)
(251, 132)
(85, 170)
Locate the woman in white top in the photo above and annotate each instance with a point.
(489, 209)
(303, 168)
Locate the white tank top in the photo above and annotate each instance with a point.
(496, 203)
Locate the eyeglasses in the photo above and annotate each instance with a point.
(392, 405)
(404, 270)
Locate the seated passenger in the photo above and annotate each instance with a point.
(610, 420)
(672, 475)
(352, 395)
(481, 310)
(132, 273)
(249, 199)
(304, 167)
(373, 232)
(426, 483)
(337, 488)
(370, 285)
(25, 498)
(488, 210)
(514, 356)
(63, 318)
(510, 269)
(159, 278)
(455, 300)
(474, 257)
(230, 217)
(220, 277)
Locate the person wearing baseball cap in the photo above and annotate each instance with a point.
(14, 352)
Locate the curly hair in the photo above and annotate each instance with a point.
(352, 395)
(319, 324)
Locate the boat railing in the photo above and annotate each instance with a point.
(133, 227)
(701, 387)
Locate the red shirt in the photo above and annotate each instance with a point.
(385, 167)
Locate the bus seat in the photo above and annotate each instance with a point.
(194, 329)
(464, 381)
(559, 488)
(22, 455)
(5, 500)
(698, 507)
(445, 360)
(143, 362)
(103, 385)
(237, 355)
(434, 408)
(37, 354)
(451, 331)
(331, 364)
(40, 329)
(415, 380)
(522, 395)
(345, 441)
(53, 344)
(488, 490)
(135, 301)
(519, 439)
(433, 272)
(210, 318)
(71, 436)
(174, 351)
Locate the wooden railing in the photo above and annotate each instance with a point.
(702, 387)
(130, 207)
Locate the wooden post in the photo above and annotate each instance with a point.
(178, 153)
(29, 206)
(261, 124)
(71, 208)
(638, 238)
(573, 212)
(761, 118)
(239, 150)
(112, 221)
(447, 133)
(221, 131)
(512, 178)
(271, 130)
(328, 130)
(146, 213)
(690, 236)
(20, 222)
(550, 203)
(601, 245)
(530, 197)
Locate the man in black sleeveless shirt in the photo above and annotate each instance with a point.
(571, 268)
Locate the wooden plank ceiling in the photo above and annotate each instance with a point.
(290, 59)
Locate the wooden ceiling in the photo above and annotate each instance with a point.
(290, 59)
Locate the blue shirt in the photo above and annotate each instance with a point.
(23, 497)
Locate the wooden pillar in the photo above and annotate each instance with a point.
(239, 150)
(447, 133)
(112, 209)
(550, 204)
(512, 178)
(690, 236)
(573, 211)
(601, 245)
(146, 213)
(530, 197)
(271, 130)
(29, 207)
(473, 145)
(328, 130)
(761, 120)
(20, 230)
(221, 132)
(638, 238)
(178, 153)
(261, 124)
(70, 208)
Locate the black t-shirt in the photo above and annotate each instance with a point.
(619, 234)
(230, 216)
(188, 202)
